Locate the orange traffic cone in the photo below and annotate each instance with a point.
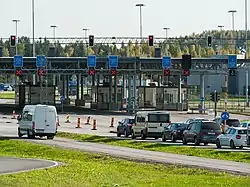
(67, 119)
(112, 122)
(88, 121)
(94, 125)
(78, 125)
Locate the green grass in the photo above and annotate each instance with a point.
(83, 169)
(190, 151)
(7, 95)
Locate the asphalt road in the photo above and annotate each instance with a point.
(150, 156)
(15, 165)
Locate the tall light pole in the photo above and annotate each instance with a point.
(246, 28)
(54, 32)
(166, 30)
(221, 46)
(140, 6)
(33, 28)
(86, 39)
(16, 21)
(233, 13)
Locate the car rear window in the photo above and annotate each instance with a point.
(158, 118)
(243, 131)
(233, 123)
(180, 125)
(210, 126)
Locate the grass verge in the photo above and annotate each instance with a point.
(190, 151)
(83, 169)
(7, 95)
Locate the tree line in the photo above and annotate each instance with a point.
(224, 42)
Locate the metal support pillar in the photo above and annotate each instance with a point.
(226, 91)
(140, 79)
(129, 92)
(82, 98)
(67, 87)
(78, 87)
(124, 96)
(202, 92)
(110, 92)
(247, 101)
(54, 79)
(63, 85)
(179, 90)
(34, 79)
(135, 78)
(115, 89)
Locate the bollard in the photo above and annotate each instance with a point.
(67, 119)
(112, 122)
(94, 125)
(13, 114)
(78, 125)
(88, 121)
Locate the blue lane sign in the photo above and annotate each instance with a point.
(166, 62)
(18, 61)
(202, 99)
(92, 61)
(232, 61)
(40, 61)
(62, 98)
(224, 115)
(113, 61)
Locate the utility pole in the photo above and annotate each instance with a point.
(166, 29)
(233, 13)
(54, 33)
(33, 28)
(140, 6)
(86, 37)
(246, 28)
(221, 45)
(16, 21)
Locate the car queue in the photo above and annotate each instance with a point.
(157, 124)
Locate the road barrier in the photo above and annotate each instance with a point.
(78, 125)
(88, 121)
(94, 125)
(112, 122)
(67, 119)
(13, 114)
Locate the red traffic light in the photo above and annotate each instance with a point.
(41, 72)
(92, 72)
(113, 72)
(167, 72)
(186, 72)
(19, 72)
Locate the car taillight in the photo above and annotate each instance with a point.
(238, 137)
(57, 124)
(217, 133)
(33, 125)
(130, 125)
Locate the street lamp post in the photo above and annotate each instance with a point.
(33, 28)
(221, 45)
(140, 6)
(246, 28)
(233, 13)
(16, 21)
(54, 32)
(166, 30)
(86, 39)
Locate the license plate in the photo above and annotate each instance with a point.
(211, 133)
(40, 130)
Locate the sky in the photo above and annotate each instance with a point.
(118, 17)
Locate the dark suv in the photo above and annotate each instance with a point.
(201, 132)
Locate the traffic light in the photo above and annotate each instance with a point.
(166, 72)
(18, 72)
(214, 96)
(113, 72)
(186, 62)
(209, 41)
(41, 72)
(91, 40)
(186, 72)
(151, 40)
(92, 72)
(12, 41)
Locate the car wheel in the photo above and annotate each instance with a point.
(184, 141)
(30, 135)
(163, 138)
(241, 147)
(118, 134)
(196, 141)
(232, 144)
(143, 136)
(50, 137)
(173, 139)
(218, 144)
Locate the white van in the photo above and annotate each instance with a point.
(38, 120)
(150, 124)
